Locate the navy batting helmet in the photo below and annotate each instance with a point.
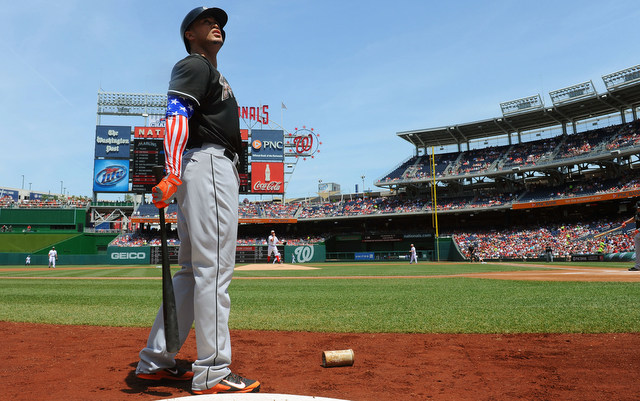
(217, 13)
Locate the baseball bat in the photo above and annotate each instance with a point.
(613, 229)
(168, 298)
(606, 232)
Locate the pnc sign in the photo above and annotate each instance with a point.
(267, 145)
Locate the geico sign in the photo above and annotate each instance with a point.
(128, 255)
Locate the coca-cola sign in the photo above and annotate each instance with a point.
(267, 178)
(273, 186)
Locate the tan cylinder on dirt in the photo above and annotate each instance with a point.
(337, 358)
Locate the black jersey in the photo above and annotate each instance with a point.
(215, 118)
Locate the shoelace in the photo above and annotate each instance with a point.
(233, 378)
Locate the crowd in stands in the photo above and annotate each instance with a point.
(528, 153)
(564, 240)
(150, 210)
(52, 202)
(149, 237)
(152, 238)
(629, 136)
(360, 206)
(525, 154)
(476, 161)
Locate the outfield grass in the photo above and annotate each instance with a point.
(418, 305)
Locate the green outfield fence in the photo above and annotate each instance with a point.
(43, 260)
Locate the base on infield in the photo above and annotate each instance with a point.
(253, 397)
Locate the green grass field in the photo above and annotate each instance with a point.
(411, 305)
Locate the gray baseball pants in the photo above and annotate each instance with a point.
(208, 229)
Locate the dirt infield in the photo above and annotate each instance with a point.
(562, 273)
(273, 267)
(47, 362)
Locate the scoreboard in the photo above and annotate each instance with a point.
(148, 151)
(146, 154)
(243, 165)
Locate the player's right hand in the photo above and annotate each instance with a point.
(165, 191)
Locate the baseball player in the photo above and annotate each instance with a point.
(53, 256)
(272, 248)
(202, 118)
(414, 255)
(27, 261)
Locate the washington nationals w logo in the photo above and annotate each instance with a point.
(303, 144)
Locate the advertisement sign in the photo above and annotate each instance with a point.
(305, 253)
(578, 199)
(597, 257)
(267, 145)
(111, 175)
(113, 141)
(364, 256)
(10, 193)
(119, 255)
(267, 178)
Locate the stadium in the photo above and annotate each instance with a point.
(521, 213)
(575, 178)
(521, 250)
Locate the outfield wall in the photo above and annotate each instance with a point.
(44, 219)
(66, 243)
(43, 260)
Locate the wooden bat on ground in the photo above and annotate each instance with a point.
(168, 299)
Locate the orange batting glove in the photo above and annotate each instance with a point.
(165, 191)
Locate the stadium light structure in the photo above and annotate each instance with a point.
(573, 93)
(522, 105)
(628, 76)
(131, 104)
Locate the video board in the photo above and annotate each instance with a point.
(147, 153)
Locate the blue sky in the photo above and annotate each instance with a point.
(357, 72)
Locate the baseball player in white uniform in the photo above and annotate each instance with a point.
(272, 248)
(414, 255)
(53, 256)
(201, 145)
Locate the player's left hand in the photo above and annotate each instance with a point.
(165, 191)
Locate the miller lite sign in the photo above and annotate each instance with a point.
(267, 178)
(110, 175)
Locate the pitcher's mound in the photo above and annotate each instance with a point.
(274, 267)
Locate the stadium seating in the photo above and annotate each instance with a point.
(559, 149)
(531, 242)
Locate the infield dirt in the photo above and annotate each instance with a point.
(48, 362)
